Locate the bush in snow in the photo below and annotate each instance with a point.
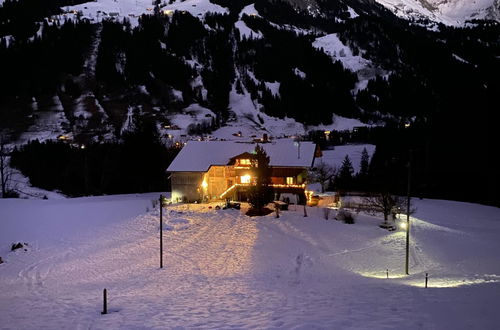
(346, 216)
(18, 245)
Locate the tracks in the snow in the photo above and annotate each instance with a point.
(214, 246)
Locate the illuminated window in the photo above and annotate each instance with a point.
(289, 180)
(245, 162)
(245, 178)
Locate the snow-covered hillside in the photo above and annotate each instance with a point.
(225, 270)
(451, 12)
(132, 9)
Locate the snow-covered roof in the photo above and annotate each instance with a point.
(198, 156)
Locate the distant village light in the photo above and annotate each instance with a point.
(204, 184)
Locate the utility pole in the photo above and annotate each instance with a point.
(408, 217)
(161, 231)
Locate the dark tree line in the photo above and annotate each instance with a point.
(136, 165)
(38, 68)
(20, 18)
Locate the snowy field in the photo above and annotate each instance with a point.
(225, 270)
(336, 156)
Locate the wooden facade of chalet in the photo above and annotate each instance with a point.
(232, 179)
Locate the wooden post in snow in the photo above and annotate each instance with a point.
(104, 302)
(161, 231)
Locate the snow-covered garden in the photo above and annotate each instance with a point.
(223, 269)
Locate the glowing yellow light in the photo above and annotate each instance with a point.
(381, 274)
(228, 190)
(245, 178)
(451, 282)
(204, 184)
(309, 195)
(407, 125)
(403, 225)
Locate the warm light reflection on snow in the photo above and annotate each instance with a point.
(227, 247)
(451, 282)
(440, 282)
(381, 274)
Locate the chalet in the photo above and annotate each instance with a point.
(218, 170)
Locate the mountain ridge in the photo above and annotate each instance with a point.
(449, 12)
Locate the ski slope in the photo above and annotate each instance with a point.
(225, 270)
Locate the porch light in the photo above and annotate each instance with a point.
(204, 184)
(245, 178)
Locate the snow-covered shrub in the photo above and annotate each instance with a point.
(18, 245)
(344, 215)
(10, 194)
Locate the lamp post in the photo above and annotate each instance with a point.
(161, 231)
(408, 217)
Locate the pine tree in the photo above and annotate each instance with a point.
(260, 194)
(364, 165)
(345, 176)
